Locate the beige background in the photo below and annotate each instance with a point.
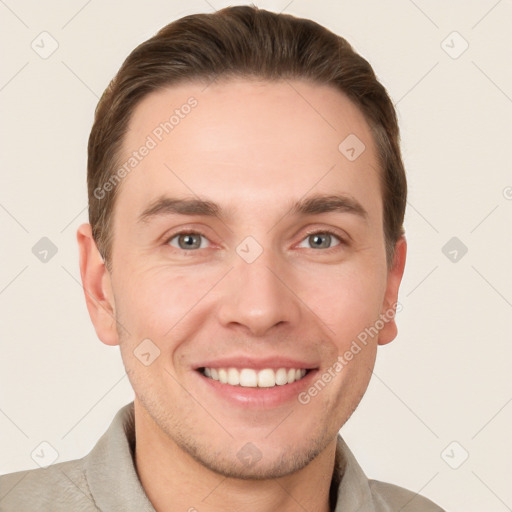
(445, 378)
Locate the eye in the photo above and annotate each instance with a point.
(319, 239)
(322, 239)
(187, 240)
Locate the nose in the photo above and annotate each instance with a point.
(258, 297)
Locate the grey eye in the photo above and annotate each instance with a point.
(321, 240)
(187, 241)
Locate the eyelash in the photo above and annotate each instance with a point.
(342, 241)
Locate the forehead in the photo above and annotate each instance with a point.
(261, 140)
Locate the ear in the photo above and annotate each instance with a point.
(389, 331)
(97, 287)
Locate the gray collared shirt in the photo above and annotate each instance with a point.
(106, 480)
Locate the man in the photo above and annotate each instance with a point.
(245, 251)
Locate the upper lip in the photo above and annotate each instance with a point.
(275, 363)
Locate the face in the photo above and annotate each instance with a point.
(249, 248)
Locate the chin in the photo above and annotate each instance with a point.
(255, 461)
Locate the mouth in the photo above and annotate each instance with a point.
(252, 378)
(254, 385)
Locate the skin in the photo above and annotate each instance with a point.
(272, 144)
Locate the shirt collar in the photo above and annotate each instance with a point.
(115, 485)
(354, 493)
(110, 467)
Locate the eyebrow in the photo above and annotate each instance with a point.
(320, 203)
(312, 205)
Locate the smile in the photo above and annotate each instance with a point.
(251, 378)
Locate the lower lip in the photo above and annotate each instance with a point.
(259, 397)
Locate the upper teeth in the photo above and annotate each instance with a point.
(250, 378)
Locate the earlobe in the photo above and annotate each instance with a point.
(97, 287)
(389, 331)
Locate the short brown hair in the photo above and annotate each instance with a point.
(245, 42)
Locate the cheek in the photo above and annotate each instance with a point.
(160, 302)
(153, 302)
(346, 299)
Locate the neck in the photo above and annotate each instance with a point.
(173, 480)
